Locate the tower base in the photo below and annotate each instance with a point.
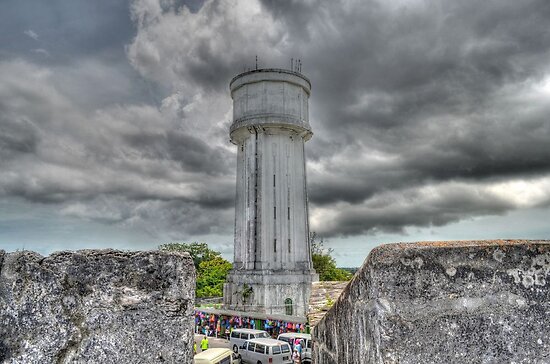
(268, 291)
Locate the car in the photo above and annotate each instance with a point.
(307, 344)
(239, 336)
(217, 356)
(266, 351)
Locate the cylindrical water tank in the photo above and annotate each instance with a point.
(270, 97)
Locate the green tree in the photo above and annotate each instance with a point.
(323, 263)
(211, 277)
(211, 268)
(199, 251)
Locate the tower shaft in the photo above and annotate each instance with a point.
(271, 224)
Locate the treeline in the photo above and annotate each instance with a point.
(212, 269)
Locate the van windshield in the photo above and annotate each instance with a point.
(226, 360)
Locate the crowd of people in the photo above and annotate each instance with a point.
(210, 324)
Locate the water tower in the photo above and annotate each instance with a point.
(272, 270)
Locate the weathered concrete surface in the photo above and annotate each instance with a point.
(323, 295)
(96, 306)
(272, 270)
(447, 302)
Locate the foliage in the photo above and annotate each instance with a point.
(330, 301)
(199, 251)
(211, 277)
(351, 270)
(247, 292)
(211, 268)
(324, 264)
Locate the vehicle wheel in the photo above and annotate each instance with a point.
(235, 349)
(259, 362)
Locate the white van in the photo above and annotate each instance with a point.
(239, 336)
(217, 356)
(307, 344)
(265, 351)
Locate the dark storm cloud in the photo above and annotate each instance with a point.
(424, 112)
(81, 130)
(118, 165)
(423, 81)
(16, 138)
(66, 29)
(439, 211)
(476, 153)
(192, 153)
(82, 41)
(443, 91)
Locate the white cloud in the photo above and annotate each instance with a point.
(436, 204)
(31, 34)
(177, 48)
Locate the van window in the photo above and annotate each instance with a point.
(261, 335)
(226, 360)
(309, 344)
(285, 348)
(235, 334)
(286, 339)
(244, 336)
(251, 346)
(276, 350)
(260, 348)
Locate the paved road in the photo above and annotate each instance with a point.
(212, 342)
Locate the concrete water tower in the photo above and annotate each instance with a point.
(272, 270)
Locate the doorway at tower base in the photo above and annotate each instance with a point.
(269, 292)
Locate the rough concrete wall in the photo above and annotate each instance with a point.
(270, 289)
(322, 297)
(96, 306)
(449, 302)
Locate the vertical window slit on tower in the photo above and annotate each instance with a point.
(288, 215)
(289, 245)
(275, 245)
(273, 180)
(275, 212)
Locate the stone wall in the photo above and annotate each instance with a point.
(323, 295)
(448, 302)
(96, 306)
(268, 291)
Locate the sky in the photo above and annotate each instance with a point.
(431, 119)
